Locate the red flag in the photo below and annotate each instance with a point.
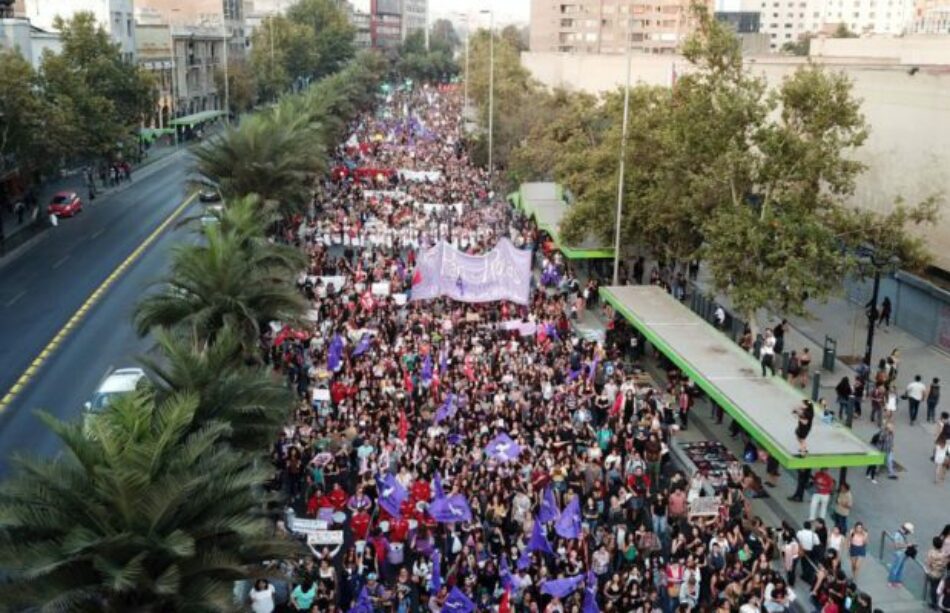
(505, 605)
(416, 278)
(618, 404)
(407, 382)
(403, 425)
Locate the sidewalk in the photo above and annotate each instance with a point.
(777, 508)
(17, 233)
(913, 496)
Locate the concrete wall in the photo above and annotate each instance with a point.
(907, 152)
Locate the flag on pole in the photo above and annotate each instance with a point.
(437, 486)
(559, 588)
(391, 494)
(450, 509)
(458, 602)
(436, 571)
(548, 511)
(538, 540)
(568, 524)
(590, 594)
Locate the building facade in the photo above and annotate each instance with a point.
(609, 26)
(935, 20)
(204, 14)
(115, 16)
(787, 21)
(385, 24)
(415, 16)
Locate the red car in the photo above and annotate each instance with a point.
(65, 204)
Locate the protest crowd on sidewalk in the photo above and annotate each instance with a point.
(473, 454)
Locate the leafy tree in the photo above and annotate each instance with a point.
(842, 31)
(515, 97)
(801, 47)
(331, 31)
(242, 88)
(281, 50)
(516, 37)
(100, 94)
(30, 126)
(248, 398)
(145, 514)
(442, 35)
(218, 284)
(420, 65)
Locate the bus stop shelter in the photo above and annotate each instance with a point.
(545, 203)
(732, 378)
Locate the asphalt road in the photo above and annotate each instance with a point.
(42, 287)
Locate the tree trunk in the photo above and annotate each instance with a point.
(753, 322)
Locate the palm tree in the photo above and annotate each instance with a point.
(144, 514)
(246, 397)
(223, 282)
(278, 160)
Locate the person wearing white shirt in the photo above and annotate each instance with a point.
(915, 392)
(768, 352)
(261, 597)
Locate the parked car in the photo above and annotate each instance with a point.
(119, 382)
(209, 194)
(65, 204)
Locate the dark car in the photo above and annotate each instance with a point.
(65, 204)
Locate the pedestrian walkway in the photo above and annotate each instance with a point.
(777, 508)
(913, 496)
(34, 220)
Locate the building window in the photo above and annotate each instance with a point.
(128, 27)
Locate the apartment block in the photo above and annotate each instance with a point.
(414, 16)
(609, 26)
(115, 16)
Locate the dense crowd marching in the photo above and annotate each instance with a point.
(469, 465)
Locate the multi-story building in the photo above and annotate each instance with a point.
(115, 16)
(183, 60)
(609, 26)
(385, 27)
(789, 20)
(206, 14)
(934, 21)
(415, 16)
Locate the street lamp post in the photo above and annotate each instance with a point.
(227, 93)
(623, 152)
(879, 265)
(491, 89)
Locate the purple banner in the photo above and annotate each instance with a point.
(504, 273)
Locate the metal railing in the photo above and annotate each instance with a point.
(919, 579)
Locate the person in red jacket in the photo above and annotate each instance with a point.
(420, 491)
(824, 485)
(359, 524)
(337, 498)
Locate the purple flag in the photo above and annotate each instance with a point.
(590, 594)
(538, 541)
(524, 560)
(548, 511)
(502, 448)
(335, 354)
(363, 345)
(551, 330)
(363, 603)
(427, 369)
(454, 438)
(508, 581)
(572, 375)
(447, 409)
(436, 571)
(443, 360)
(391, 494)
(450, 509)
(437, 486)
(568, 524)
(458, 602)
(559, 588)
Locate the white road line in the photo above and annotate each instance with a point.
(97, 233)
(61, 261)
(12, 301)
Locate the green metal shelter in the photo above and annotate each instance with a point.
(545, 203)
(732, 379)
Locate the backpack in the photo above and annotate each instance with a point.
(876, 439)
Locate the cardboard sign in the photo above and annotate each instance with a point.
(704, 506)
(321, 394)
(325, 537)
(381, 288)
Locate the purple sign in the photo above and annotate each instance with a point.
(504, 273)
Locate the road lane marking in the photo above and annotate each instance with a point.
(97, 233)
(94, 297)
(60, 261)
(9, 303)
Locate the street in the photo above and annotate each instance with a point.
(43, 286)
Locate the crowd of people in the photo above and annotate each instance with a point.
(446, 456)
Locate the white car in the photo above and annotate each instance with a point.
(121, 381)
